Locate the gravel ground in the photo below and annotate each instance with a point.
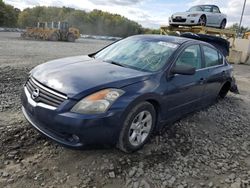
(209, 148)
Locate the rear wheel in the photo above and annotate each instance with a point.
(223, 24)
(54, 37)
(224, 90)
(137, 127)
(71, 38)
(202, 21)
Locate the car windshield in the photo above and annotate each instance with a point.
(138, 53)
(204, 8)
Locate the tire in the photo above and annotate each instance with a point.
(224, 90)
(54, 37)
(23, 35)
(137, 127)
(223, 24)
(202, 21)
(71, 38)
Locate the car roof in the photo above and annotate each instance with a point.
(165, 38)
(206, 5)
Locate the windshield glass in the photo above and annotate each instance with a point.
(138, 53)
(204, 8)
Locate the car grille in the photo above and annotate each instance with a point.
(46, 95)
(179, 20)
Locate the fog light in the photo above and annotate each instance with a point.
(75, 137)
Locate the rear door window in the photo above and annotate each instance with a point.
(212, 57)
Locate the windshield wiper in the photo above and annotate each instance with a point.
(114, 63)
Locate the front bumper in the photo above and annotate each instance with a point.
(71, 129)
(184, 21)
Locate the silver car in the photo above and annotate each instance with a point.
(205, 15)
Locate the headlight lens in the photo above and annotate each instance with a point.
(193, 15)
(98, 102)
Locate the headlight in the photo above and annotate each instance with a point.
(98, 102)
(193, 15)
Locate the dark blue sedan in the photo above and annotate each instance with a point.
(122, 93)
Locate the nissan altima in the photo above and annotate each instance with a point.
(121, 94)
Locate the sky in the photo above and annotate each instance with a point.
(148, 13)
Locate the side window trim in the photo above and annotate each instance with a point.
(204, 61)
(203, 64)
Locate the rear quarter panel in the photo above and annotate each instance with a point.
(217, 77)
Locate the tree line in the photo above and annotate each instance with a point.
(8, 15)
(95, 22)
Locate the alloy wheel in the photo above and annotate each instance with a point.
(202, 21)
(140, 128)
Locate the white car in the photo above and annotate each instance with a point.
(205, 15)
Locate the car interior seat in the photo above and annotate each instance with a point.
(189, 58)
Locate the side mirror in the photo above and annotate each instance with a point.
(183, 69)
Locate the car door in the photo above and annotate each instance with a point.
(183, 92)
(215, 74)
(207, 9)
(217, 16)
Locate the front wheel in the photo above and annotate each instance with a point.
(137, 127)
(71, 38)
(54, 37)
(202, 21)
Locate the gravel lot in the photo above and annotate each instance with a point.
(210, 148)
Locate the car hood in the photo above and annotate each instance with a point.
(76, 76)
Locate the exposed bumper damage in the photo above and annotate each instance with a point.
(234, 87)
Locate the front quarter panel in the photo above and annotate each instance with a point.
(136, 93)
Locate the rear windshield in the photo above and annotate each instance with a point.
(138, 53)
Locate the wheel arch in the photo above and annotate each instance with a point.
(226, 84)
(158, 111)
(204, 16)
(225, 88)
(153, 99)
(70, 33)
